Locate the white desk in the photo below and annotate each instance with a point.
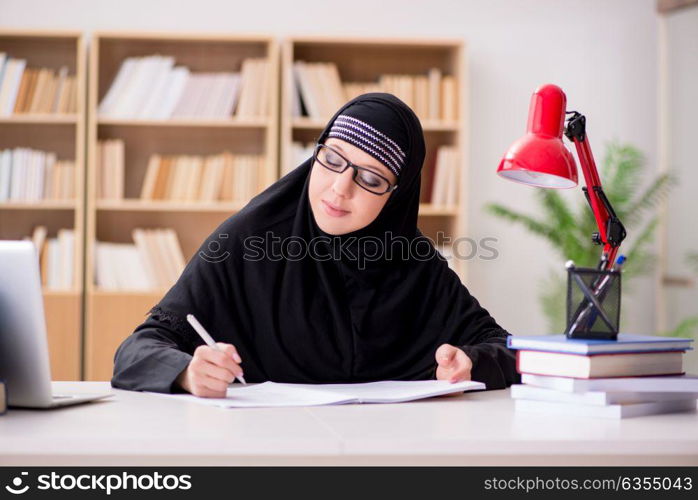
(473, 429)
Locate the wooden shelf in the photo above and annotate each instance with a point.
(46, 119)
(63, 134)
(204, 123)
(166, 206)
(111, 315)
(39, 205)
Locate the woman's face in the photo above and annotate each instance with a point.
(339, 205)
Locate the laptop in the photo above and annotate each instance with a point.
(24, 360)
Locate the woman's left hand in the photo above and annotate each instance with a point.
(453, 364)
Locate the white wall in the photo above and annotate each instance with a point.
(603, 53)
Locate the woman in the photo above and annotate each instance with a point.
(323, 278)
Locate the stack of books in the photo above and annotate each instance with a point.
(441, 181)
(153, 88)
(40, 90)
(188, 178)
(31, 175)
(632, 376)
(153, 262)
(319, 91)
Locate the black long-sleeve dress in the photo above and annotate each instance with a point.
(329, 316)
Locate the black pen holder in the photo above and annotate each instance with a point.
(593, 303)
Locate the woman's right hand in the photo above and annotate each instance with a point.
(210, 371)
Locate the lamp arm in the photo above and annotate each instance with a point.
(611, 230)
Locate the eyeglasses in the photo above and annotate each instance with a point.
(364, 177)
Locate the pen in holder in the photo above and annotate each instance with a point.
(593, 303)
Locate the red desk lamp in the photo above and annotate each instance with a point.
(539, 158)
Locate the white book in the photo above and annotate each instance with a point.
(523, 391)
(212, 107)
(175, 251)
(18, 175)
(306, 90)
(434, 85)
(615, 411)
(677, 384)
(109, 102)
(66, 241)
(274, 394)
(123, 107)
(172, 93)
(3, 65)
(101, 267)
(142, 89)
(5, 174)
(147, 258)
(166, 256)
(10, 85)
(30, 173)
(153, 96)
(229, 95)
(54, 261)
(138, 277)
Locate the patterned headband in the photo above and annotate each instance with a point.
(370, 140)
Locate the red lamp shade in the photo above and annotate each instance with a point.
(539, 158)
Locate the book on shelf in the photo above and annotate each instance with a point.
(612, 411)
(299, 153)
(110, 169)
(212, 178)
(29, 175)
(600, 365)
(446, 171)
(26, 90)
(665, 384)
(319, 91)
(56, 257)
(626, 342)
(153, 262)
(154, 88)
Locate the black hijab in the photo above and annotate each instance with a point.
(311, 320)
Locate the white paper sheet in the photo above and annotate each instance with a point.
(272, 394)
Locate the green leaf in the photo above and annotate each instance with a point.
(535, 226)
(649, 198)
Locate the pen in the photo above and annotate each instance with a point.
(207, 338)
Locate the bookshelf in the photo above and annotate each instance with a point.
(62, 134)
(366, 60)
(111, 315)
